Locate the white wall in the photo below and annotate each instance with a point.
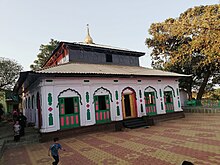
(57, 85)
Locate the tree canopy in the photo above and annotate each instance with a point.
(189, 44)
(9, 73)
(44, 53)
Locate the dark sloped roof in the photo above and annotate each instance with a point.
(96, 48)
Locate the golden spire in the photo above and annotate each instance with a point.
(88, 39)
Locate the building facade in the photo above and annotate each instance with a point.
(85, 84)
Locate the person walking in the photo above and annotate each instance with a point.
(53, 149)
(17, 129)
(22, 121)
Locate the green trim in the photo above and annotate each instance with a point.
(169, 106)
(101, 114)
(87, 97)
(50, 119)
(116, 95)
(171, 89)
(153, 89)
(161, 104)
(147, 98)
(177, 91)
(69, 89)
(150, 107)
(68, 117)
(49, 99)
(88, 115)
(94, 94)
(118, 111)
(140, 94)
(142, 109)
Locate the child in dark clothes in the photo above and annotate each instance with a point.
(54, 150)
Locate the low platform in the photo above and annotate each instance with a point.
(144, 121)
(65, 133)
(167, 116)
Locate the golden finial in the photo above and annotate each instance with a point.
(88, 39)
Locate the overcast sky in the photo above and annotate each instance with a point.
(26, 24)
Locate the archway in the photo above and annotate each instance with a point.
(150, 95)
(102, 98)
(69, 107)
(129, 103)
(168, 99)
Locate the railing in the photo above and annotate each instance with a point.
(203, 103)
(211, 103)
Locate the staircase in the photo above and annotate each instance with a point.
(135, 123)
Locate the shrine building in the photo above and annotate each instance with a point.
(84, 84)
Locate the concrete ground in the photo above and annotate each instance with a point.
(195, 138)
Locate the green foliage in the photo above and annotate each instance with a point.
(9, 73)
(213, 94)
(189, 45)
(44, 54)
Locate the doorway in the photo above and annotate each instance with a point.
(129, 105)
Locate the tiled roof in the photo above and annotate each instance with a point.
(93, 69)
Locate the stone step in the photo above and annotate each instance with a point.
(134, 123)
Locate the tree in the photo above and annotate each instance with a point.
(189, 45)
(44, 54)
(9, 73)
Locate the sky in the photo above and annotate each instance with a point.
(26, 24)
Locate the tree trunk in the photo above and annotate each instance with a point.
(189, 94)
(189, 88)
(203, 85)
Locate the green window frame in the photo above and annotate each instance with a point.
(150, 103)
(69, 112)
(102, 108)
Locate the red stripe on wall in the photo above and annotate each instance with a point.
(77, 119)
(76, 109)
(108, 115)
(72, 119)
(62, 121)
(67, 120)
(105, 115)
(62, 111)
(97, 116)
(100, 115)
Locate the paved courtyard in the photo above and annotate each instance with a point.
(195, 138)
